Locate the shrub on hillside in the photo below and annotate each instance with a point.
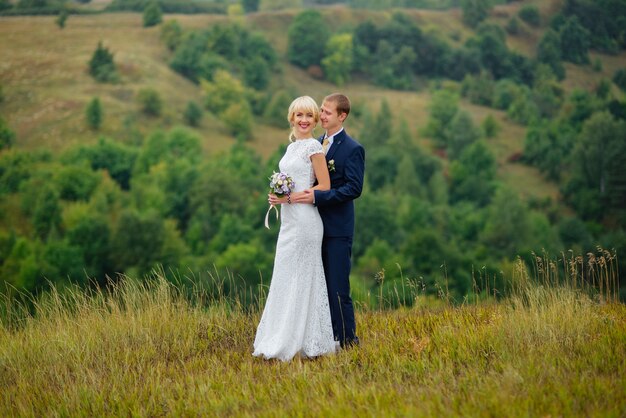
(475, 11)
(150, 102)
(93, 114)
(7, 136)
(512, 26)
(619, 78)
(171, 34)
(61, 19)
(238, 119)
(101, 66)
(530, 14)
(193, 114)
(152, 14)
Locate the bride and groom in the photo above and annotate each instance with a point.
(309, 311)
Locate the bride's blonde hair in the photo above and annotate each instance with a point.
(302, 104)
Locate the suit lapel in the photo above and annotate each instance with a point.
(339, 138)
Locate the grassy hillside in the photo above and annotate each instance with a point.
(46, 85)
(147, 351)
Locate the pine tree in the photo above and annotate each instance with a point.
(93, 114)
(101, 65)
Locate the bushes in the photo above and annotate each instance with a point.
(152, 15)
(101, 65)
(619, 78)
(307, 37)
(150, 102)
(93, 114)
(530, 14)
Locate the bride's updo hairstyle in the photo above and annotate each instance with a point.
(304, 104)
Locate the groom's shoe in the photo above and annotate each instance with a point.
(349, 343)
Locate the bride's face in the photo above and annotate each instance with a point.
(304, 123)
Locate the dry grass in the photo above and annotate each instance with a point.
(145, 350)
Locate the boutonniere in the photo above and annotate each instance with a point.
(331, 165)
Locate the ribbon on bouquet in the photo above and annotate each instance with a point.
(267, 214)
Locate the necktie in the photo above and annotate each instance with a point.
(325, 145)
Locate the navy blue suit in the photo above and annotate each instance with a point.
(336, 208)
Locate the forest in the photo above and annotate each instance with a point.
(138, 188)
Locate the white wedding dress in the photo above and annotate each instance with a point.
(296, 317)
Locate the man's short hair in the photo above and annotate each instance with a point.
(343, 103)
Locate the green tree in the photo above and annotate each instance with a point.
(152, 14)
(171, 34)
(101, 66)
(93, 114)
(507, 231)
(549, 52)
(150, 102)
(114, 157)
(275, 112)
(308, 28)
(475, 11)
(5, 5)
(76, 182)
(373, 215)
(138, 241)
(248, 263)
(7, 136)
(530, 14)
(47, 212)
(547, 146)
(382, 165)
(523, 109)
(224, 91)
(61, 18)
(256, 72)
(250, 6)
(574, 41)
(462, 133)
(192, 114)
(92, 235)
(490, 126)
(472, 175)
(238, 119)
(377, 131)
(443, 107)
(619, 78)
(337, 64)
(513, 26)
(598, 186)
(479, 89)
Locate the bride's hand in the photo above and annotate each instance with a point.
(274, 200)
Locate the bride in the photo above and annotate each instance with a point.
(296, 317)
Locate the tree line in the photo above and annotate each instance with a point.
(96, 210)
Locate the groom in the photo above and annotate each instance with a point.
(346, 164)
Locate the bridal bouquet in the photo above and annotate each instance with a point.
(281, 184)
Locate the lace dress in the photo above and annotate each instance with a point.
(296, 317)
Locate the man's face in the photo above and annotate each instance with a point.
(329, 118)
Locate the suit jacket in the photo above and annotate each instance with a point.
(336, 206)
